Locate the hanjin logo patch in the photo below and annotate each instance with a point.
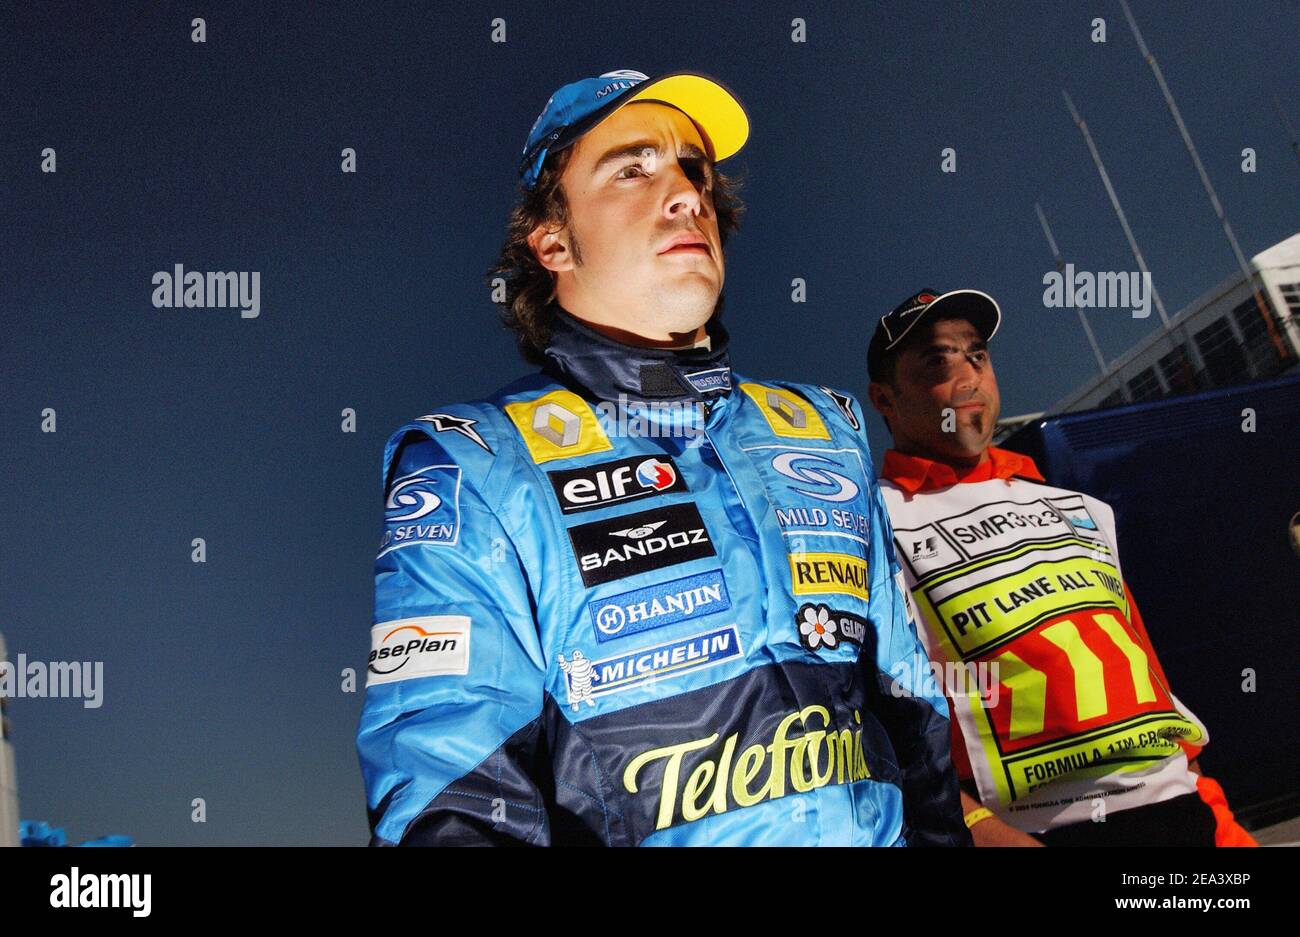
(637, 543)
(665, 603)
(596, 486)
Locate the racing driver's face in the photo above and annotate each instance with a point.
(943, 403)
(641, 256)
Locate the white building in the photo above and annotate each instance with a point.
(8, 776)
(1217, 340)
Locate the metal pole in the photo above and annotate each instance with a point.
(1060, 265)
(1114, 201)
(1290, 132)
(1205, 181)
(8, 776)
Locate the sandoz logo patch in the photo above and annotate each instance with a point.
(665, 603)
(639, 543)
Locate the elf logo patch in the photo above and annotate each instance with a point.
(596, 486)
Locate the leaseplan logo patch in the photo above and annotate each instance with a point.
(588, 679)
(422, 507)
(595, 486)
(429, 646)
(637, 543)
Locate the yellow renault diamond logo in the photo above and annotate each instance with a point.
(559, 425)
(787, 413)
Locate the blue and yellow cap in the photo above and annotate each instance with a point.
(581, 105)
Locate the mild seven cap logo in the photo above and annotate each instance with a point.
(811, 469)
(625, 78)
(410, 498)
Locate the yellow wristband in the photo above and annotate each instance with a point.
(976, 815)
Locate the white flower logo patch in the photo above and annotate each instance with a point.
(822, 626)
(817, 627)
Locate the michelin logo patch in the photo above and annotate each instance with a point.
(423, 507)
(665, 603)
(586, 679)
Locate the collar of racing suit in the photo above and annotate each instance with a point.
(915, 473)
(579, 355)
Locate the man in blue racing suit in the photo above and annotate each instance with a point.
(636, 598)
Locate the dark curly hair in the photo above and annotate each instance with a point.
(530, 288)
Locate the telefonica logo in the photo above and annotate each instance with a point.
(824, 754)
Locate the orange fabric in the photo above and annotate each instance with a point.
(960, 759)
(1227, 831)
(1135, 617)
(914, 473)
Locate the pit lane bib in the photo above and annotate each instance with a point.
(1062, 705)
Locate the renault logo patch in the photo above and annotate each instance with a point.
(558, 425)
(787, 413)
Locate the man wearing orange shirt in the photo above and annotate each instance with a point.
(1066, 731)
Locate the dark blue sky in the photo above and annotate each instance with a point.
(222, 680)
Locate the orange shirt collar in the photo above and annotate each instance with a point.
(914, 473)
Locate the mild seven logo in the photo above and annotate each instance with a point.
(423, 507)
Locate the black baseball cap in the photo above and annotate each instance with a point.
(978, 308)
